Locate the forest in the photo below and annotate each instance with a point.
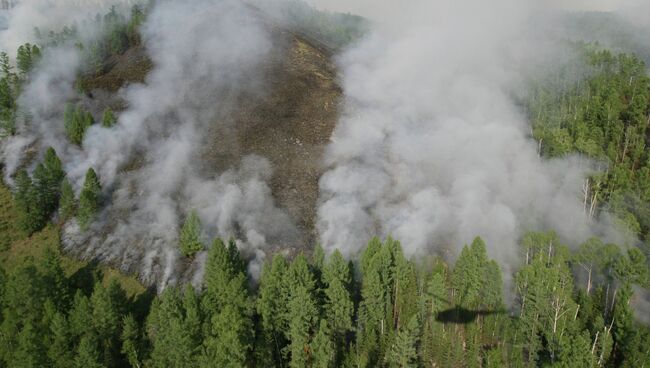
(565, 305)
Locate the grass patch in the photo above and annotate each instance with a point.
(18, 250)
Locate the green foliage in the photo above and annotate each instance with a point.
(403, 352)
(28, 55)
(304, 314)
(31, 214)
(108, 118)
(67, 202)
(37, 199)
(76, 121)
(227, 308)
(324, 352)
(190, 236)
(335, 30)
(89, 199)
(603, 115)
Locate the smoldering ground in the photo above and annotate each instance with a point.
(205, 53)
(432, 147)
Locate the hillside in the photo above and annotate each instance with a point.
(289, 124)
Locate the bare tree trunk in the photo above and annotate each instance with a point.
(395, 312)
(592, 208)
(625, 144)
(585, 193)
(593, 347)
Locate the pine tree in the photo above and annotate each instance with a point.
(225, 301)
(172, 344)
(271, 305)
(468, 274)
(339, 308)
(324, 350)
(53, 276)
(60, 351)
(108, 118)
(76, 122)
(302, 310)
(47, 182)
(303, 314)
(107, 310)
(31, 214)
(67, 203)
(30, 351)
(228, 342)
(26, 57)
(190, 236)
(403, 352)
(80, 318)
(87, 353)
(131, 341)
(89, 199)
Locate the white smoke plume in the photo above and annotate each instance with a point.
(205, 53)
(432, 147)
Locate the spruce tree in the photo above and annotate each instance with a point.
(324, 349)
(273, 295)
(131, 341)
(88, 353)
(27, 56)
(226, 299)
(60, 351)
(67, 203)
(227, 343)
(89, 199)
(47, 180)
(31, 213)
(170, 345)
(30, 351)
(403, 352)
(76, 121)
(80, 317)
(108, 118)
(339, 308)
(303, 311)
(190, 236)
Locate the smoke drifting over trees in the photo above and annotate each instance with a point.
(205, 53)
(433, 147)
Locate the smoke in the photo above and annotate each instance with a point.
(432, 147)
(51, 85)
(205, 53)
(52, 15)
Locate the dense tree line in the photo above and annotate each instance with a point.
(323, 311)
(566, 309)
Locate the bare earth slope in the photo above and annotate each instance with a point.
(288, 122)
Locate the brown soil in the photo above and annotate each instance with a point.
(289, 122)
(131, 67)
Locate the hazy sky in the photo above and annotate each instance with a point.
(377, 8)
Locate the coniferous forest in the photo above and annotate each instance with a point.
(564, 305)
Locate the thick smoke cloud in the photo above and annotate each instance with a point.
(52, 83)
(205, 54)
(432, 148)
